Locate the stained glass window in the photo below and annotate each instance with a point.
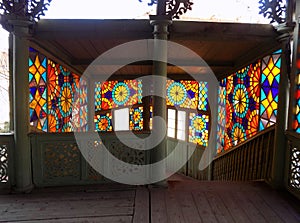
(198, 128)
(248, 101)
(98, 96)
(136, 118)
(187, 95)
(38, 90)
(51, 94)
(184, 94)
(61, 88)
(119, 93)
(221, 116)
(269, 90)
(103, 122)
(241, 105)
(203, 96)
(80, 107)
(296, 123)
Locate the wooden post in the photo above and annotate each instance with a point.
(22, 153)
(278, 160)
(160, 24)
(293, 86)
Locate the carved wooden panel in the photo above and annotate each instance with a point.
(61, 159)
(3, 164)
(295, 167)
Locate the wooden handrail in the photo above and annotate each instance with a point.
(259, 134)
(250, 160)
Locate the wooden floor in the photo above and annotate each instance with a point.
(185, 200)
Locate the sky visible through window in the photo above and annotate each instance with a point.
(214, 10)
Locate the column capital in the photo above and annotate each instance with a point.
(160, 24)
(286, 31)
(23, 11)
(160, 20)
(19, 27)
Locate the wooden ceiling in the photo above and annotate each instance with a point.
(225, 47)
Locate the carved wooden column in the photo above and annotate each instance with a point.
(18, 17)
(282, 15)
(160, 24)
(278, 159)
(23, 172)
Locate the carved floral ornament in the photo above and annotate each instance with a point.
(24, 10)
(275, 10)
(173, 8)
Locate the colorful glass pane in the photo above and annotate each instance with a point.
(203, 96)
(184, 94)
(296, 123)
(198, 128)
(251, 101)
(98, 96)
(103, 122)
(151, 117)
(120, 93)
(83, 105)
(38, 90)
(61, 87)
(136, 118)
(221, 116)
(239, 96)
(270, 78)
(80, 106)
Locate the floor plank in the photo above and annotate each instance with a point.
(141, 206)
(204, 209)
(173, 208)
(267, 212)
(188, 207)
(218, 207)
(158, 205)
(280, 206)
(233, 206)
(185, 200)
(110, 219)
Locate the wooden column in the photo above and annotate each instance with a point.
(278, 160)
(160, 24)
(22, 153)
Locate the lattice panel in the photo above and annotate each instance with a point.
(61, 160)
(93, 174)
(3, 164)
(127, 155)
(295, 168)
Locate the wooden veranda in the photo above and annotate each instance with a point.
(46, 177)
